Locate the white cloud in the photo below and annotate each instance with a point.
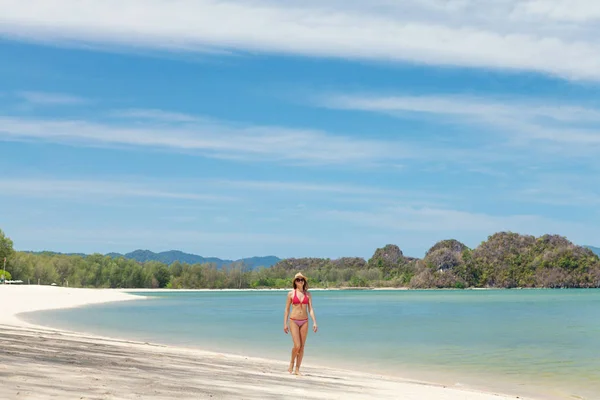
(45, 98)
(467, 106)
(214, 139)
(561, 10)
(507, 34)
(179, 132)
(521, 119)
(285, 186)
(62, 188)
(322, 192)
(574, 190)
(154, 114)
(212, 192)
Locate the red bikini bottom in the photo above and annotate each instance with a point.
(300, 322)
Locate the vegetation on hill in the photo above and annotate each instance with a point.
(172, 256)
(504, 260)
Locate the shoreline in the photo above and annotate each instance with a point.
(313, 289)
(323, 382)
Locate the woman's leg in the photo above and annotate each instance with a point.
(295, 331)
(303, 335)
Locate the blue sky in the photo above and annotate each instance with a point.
(326, 129)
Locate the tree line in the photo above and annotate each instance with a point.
(504, 260)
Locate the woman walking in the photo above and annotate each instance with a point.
(301, 301)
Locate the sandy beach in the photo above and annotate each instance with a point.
(41, 363)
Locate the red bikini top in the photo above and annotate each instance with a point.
(296, 300)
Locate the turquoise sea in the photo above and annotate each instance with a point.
(543, 342)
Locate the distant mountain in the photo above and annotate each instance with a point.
(594, 249)
(169, 257)
(53, 252)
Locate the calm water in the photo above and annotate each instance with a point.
(516, 341)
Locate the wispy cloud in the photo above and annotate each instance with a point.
(61, 188)
(508, 34)
(220, 189)
(178, 132)
(572, 190)
(323, 192)
(153, 114)
(215, 139)
(521, 119)
(276, 198)
(286, 186)
(45, 98)
(467, 106)
(560, 10)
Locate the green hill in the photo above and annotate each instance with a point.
(503, 260)
(171, 256)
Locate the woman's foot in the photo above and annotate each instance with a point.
(297, 372)
(291, 368)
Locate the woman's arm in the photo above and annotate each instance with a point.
(312, 312)
(288, 301)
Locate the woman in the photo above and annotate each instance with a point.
(301, 302)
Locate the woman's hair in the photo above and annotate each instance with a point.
(304, 287)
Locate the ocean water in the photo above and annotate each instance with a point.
(527, 342)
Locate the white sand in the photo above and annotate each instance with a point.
(39, 363)
(16, 299)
